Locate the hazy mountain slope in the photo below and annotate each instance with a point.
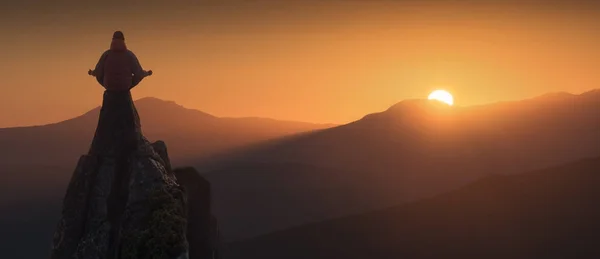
(550, 213)
(412, 150)
(420, 126)
(191, 132)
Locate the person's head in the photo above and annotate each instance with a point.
(118, 35)
(118, 41)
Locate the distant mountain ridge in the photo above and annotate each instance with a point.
(412, 150)
(48, 153)
(197, 132)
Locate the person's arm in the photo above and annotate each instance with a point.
(138, 72)
(99, 70)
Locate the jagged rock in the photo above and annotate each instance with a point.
(161, 149)
(123, 200)
(203, 231)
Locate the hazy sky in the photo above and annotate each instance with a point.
(319, 61)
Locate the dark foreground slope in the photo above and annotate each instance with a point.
(551, 213)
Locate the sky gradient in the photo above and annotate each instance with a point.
(317, 61)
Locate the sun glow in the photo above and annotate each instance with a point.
(442, 96)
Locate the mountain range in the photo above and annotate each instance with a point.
(269, 175)
(48, 153)
(191, 132)
(413, 150)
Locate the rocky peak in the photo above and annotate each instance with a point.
(124, 200)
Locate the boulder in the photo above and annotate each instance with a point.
(203, 231)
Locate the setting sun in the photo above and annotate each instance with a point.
(442, 96)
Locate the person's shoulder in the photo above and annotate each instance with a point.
(131, 54)
(106, 53)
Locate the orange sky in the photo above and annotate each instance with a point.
(318, 61)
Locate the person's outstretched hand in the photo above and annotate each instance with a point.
(149, 72)
(90, 72)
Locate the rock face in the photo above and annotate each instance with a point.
(123, 200)
(203, 231)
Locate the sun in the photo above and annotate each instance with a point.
(442, 96)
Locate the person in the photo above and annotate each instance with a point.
(118, 133)
(119, 68)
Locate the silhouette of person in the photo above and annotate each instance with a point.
(119, 68)
(119, 130)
